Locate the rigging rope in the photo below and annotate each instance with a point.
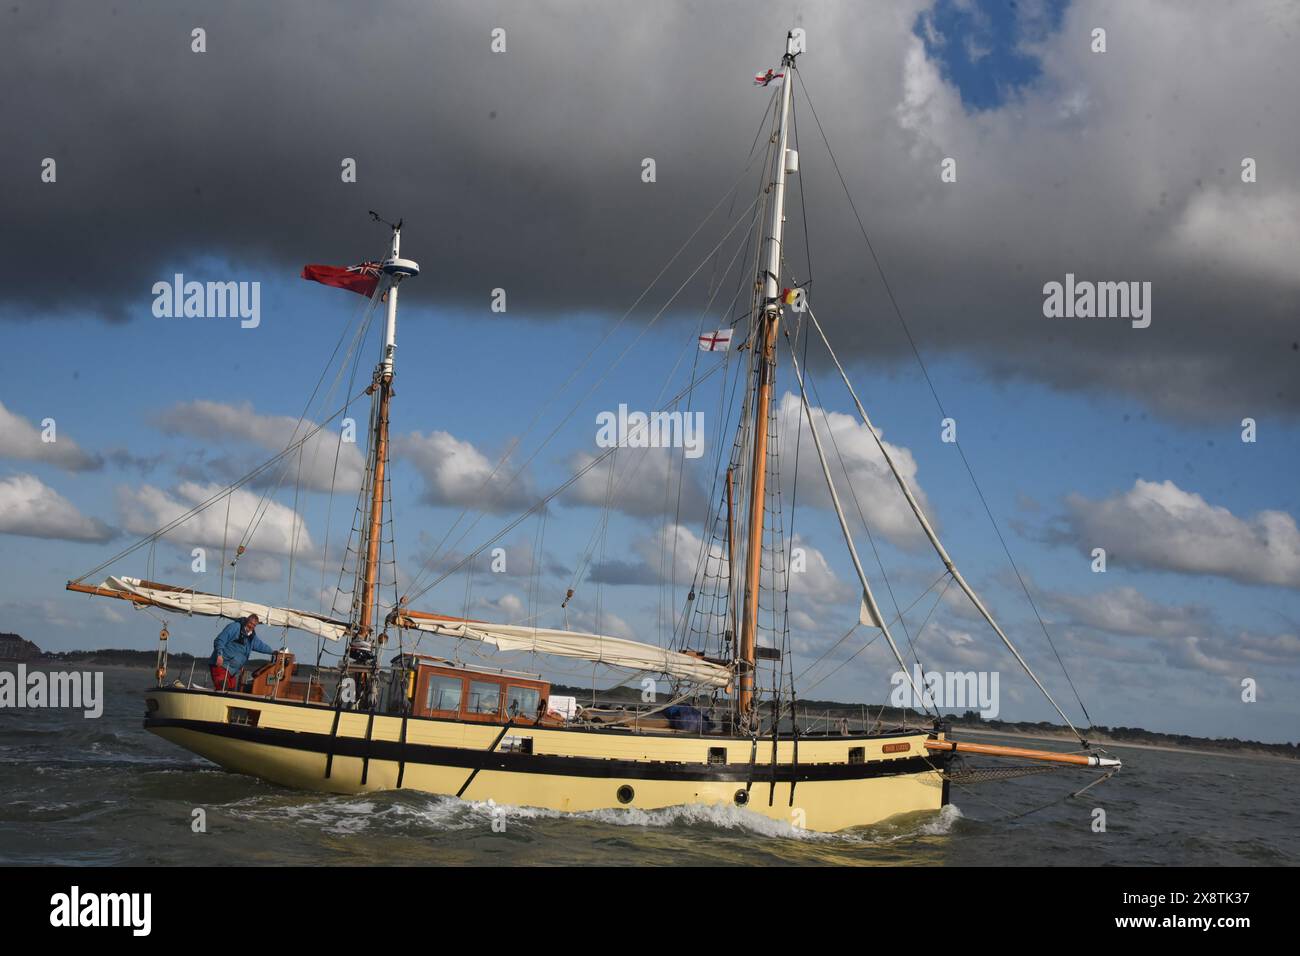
(355, 356)
(934, 538)
(543, 502)
(897, 617)
(229, 489)
(263, 505)
(857, 504)
(427, 567)
(898, 312)
(867, 596)
(577, 405)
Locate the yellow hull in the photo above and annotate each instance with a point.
(830, 784)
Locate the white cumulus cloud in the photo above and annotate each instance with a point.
(21, 440)
(145, 509)
(30, 507)
(1156, 524)
(456, 473)
(219, 421)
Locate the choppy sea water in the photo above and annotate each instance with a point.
(105, 792)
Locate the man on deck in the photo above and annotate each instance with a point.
(231, 649)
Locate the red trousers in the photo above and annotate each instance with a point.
(222, 679)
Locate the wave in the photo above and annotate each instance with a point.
(389, 811)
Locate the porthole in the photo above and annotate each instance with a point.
(742, 797)
(625, 794)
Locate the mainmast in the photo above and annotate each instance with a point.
(397, 269)
(766, 351)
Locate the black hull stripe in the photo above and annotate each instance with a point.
(514, 762)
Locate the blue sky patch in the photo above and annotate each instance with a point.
(978, 44)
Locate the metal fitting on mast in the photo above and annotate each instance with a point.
(397, 269)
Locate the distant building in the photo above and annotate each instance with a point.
(14, 648)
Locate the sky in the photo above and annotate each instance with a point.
(522, 170)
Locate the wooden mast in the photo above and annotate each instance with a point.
(766, 355)
(397, 269)
(370, 574)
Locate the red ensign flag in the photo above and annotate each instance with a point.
(362, 279)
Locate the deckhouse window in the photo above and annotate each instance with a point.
(444, 693)
(484, 697)
(522, 701)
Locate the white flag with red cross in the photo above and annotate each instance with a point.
(719, 341)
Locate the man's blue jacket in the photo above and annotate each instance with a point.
(233, 646)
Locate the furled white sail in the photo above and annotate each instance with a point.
(616, 651)
(214, 605)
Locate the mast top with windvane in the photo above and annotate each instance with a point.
(397, 269)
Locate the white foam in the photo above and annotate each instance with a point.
(942, 824)
(349, 815)
(720, 816)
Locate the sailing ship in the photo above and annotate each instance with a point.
(729, 732)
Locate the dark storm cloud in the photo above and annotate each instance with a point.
(522, 170)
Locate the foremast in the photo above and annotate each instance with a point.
(396, 269)
(765, 349)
